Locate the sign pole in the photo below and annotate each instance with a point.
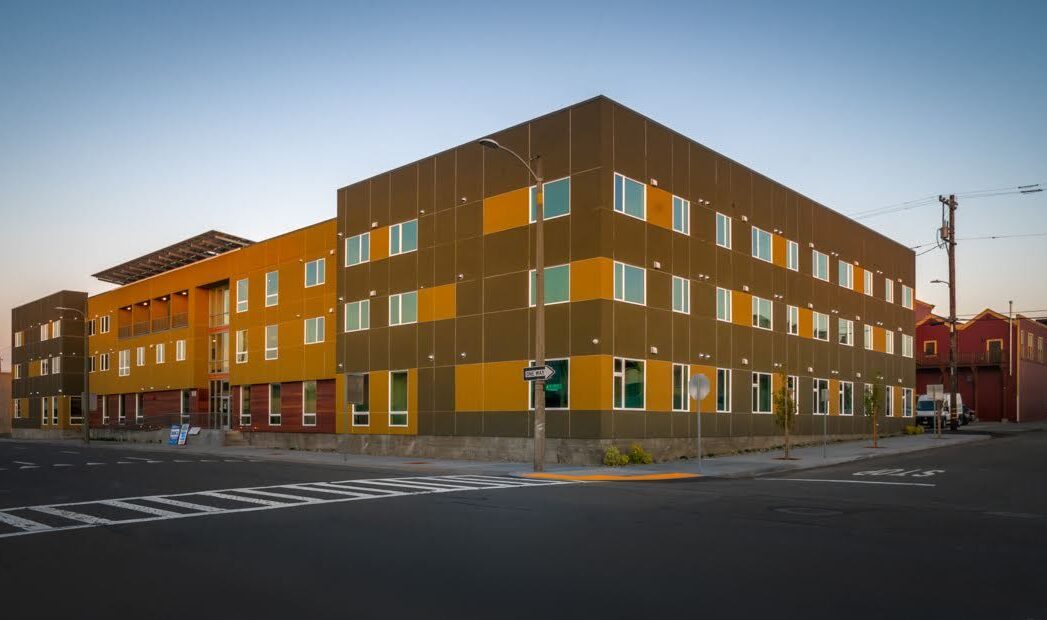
(698, 387)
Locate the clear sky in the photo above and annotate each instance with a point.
(126, 126)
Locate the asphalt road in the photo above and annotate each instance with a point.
(950, 533)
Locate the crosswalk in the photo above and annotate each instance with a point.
(50, 518)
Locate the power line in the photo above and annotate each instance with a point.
(1031, 188)
(983, 238)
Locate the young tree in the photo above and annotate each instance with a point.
(872, 399)
(785, 411)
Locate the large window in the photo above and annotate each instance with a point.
(888, 400)
(906, 345)
(628, 383)
(907, 297)
(180, 350)
(358, 249)
(681, 295)
(888, 290)
(103, 362)
(56, 328)
(56, 365)
(20, 337)
(821, 326)
(681, 215)
(867, 276)
(792, 320)
(821, 396)
(309, 403)
(846, 398)
(845, 331)
(241, 346)
(272, 342)
(314, 272)
(630, 197)
(45, 366)
(103, 324)
(124, 359)
(888, 342)
(762, 313)
(241, 295)
(557, 198)
(907, 402)
(792, 255)
(867, 336)
(403, 238)
(557, 285)
(245, 405)
(358, 315)
(403, 308)
(761, 392)
(556, 388)
(140, 356)
(362, 411)
(161, 353)
(630, 284)
(275, 416)
(846, 274)
(272, 288)
(792, 385)
(820, 265)
(681, 374)
(723, 231)
(45, 331)
(723, 304)
(723, 390)
(398, 398)
(54, 410)
(139, 408)
(314, 330)
(761, 244)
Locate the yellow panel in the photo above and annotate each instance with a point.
(504, 387)
(508, 210)
(834, 397)
(592, 278)
(444, 302)
(380, 243)
(591, 382)
(659, 385)
(426, 302)
(709, 402)
(778, 250)
(879, 339)
(858, 283)
(468, 387)
(659, 207)
(742, 308)
(898, 401)
(378, 388)
(806, 323)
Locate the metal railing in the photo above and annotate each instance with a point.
(161, 324)
(179, 320)
(968, 358)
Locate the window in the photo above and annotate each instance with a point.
(241, 346)
(907, 297)
(403, 308)
(185, 407)
(358, 315)
(18, 371)
(906, 345)
(121, 413)
(56, 365)
(140, 356)
(888, 290)
(846, 274)
(139, 408)
(761, 392)
(556, 388)
(821, 396)
(17, 408)
(792, 386)
(556, 196)
(681, 295)
(314, 272)
(820, 265)
(274, 404)
(821, 326)
(681, 215)
(792, 320)
(630, 284)
(358, 249)
(103, 362)
(245, 405)
(845, 332)
(45, 367)
(125, 362)
(762, 313)
(630, 197)
(90, 328)
(272, 343)
(906, 402)
(403, 238)
(272, 288)
(723, 304)
(180, 350)
(867, 336)
(557, 285)
(846, 398)
(56, 328)
(888, 400)
(723, 231)
(628, 384)
(398, 398)
(19, 339)
(161, 353)
(361, 411)
(45, 331)
(681, 374)
(761, 244)
(792, 255)
(868, 277)
(44, 417)
(309, 403)
(314, 330)
(930, 347)
(241, 295)
(103, 324)
(54, 410)
(723, 390)
(889, 342)
(104, 405)
(92, 364)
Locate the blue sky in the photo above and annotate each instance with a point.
(147, 123)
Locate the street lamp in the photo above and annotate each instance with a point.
(85, 420)
(539, 298)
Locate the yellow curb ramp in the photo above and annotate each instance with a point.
(612, 477)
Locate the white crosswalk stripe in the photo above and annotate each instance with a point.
(248, 499)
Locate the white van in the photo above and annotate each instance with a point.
(925, 410)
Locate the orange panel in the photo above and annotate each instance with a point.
(659, 207)
(778, 247)
(426, 300)
(879, 339)
(590, 382)
(834, 397)
(741, 308)
(468, 387)
(504, 387)
(380, 243)
(898, 402)
(858, 283)
(659, 385)
(592, 278)
(508, 210)
(444, 302)
(806, 323)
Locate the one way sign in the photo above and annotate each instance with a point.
(534, 373)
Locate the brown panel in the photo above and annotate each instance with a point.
(444, 388)
(629, 144)
(501, 171)
(444, 348)
(590, 320)
(506, 292)
(587, 133)
(505, 335)
(403, 188)
(630, 235)
(403, 347)
(444, 181)
(590, 215)
(468, 339)
(550, 138)
(506, 251)
(469, 169)
(629, 330)
(379, 347)
(403, 272)
(443, 264)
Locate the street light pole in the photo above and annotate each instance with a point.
(85, 419)
(539, 298)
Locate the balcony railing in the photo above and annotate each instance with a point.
(161, 324)
(963, 358)
(215, 367)
(124, 331)
(164, 323)
(141, 328)
(179, 320)
(219, 320)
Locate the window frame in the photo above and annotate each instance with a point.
(923, 348)
(815, 383)
(888, 290)
(103, 362)
(245, 397)
(615, 375)
(320, 275)
(757, 303)
(242, 305)
(623, 287)
(792, 320)
(532, 275)
(842, 391)
(868, 337)
(161, 353)
(816, 264)
(843, 267)
(814, 325)
(792, 255)
(407, 400)
(362, 240)
(685, 295)
(353, 412)
(240, 338)
(400, 308)
(319, 329)
(757, 234)
(123, 360)
(907, 402)
(140, 356)
(907, 292)
(180, 350)
(728, 300)
(907, 345)
(360, 305)
(684, 226)
(728, 222)
(316, 400)
(272, 297)
(532, 207)
(723, 389)
(840, 332)
(623, 211)
(398, 229)
(888, 342)
(677, 369)
(530, 386)
(757, 389)
(275, 349)
(868, 283)
(279, 415)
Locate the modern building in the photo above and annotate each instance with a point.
(664, 260)
(47, 352)
(6, 404)
(219, 332)
(1001, 364)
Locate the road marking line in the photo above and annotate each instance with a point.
(68, 452)
(180, 504)
(299, 498)
(183, 461)
(29, 467)
(421, 485)
(23, 463)
(124, 463)
(893, 484)
(159, 512)
(329, 489)
(61, 465)
(135, 458)
(372, 491)
(238, 498)
(72, 516)
(23, 524)
(519, 482)
(96, 463)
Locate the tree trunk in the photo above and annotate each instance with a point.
(787, 446)
(876, 429)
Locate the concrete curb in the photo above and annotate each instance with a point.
(609, 477)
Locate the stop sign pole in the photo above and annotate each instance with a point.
(698, 388)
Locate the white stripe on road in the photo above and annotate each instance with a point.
(895, 484)
(240, 498)
(297, 498)
(22, 524)
(159, 512)
(72, 516)
(180, 504)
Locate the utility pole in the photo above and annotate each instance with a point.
(949, 235)
(1010, 351)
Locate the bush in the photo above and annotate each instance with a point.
(612, 457)
(913, 429)
(639, 456)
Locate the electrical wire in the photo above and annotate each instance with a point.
(1031, 188)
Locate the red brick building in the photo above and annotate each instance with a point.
(1001, 363)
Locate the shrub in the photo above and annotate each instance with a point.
(612, 457)
(639, 456)
(913, 429)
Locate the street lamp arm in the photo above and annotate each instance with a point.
(492, 144)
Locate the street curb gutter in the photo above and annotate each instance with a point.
(611, 477)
